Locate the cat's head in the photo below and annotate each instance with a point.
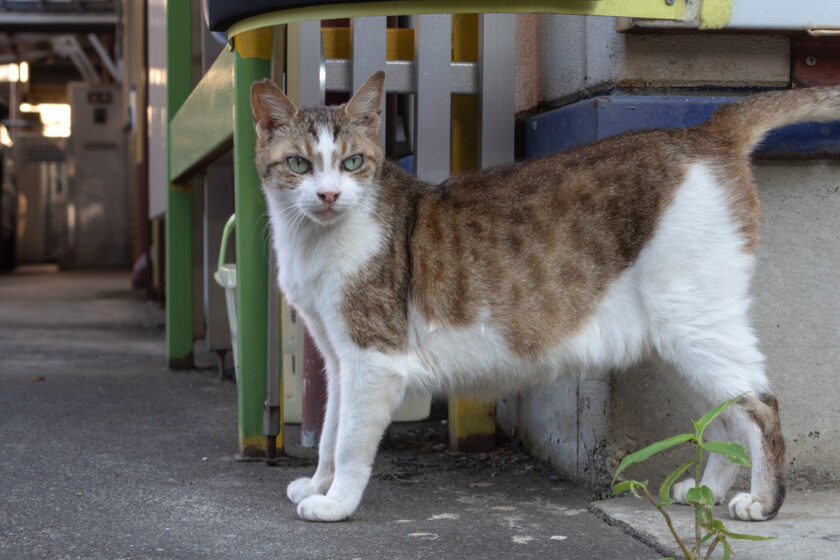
(319, 163)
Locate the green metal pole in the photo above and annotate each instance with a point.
(251, 62)
(179, 326)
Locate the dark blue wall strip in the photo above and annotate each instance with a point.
(592, 119)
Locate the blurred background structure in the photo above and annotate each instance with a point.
(64, 197)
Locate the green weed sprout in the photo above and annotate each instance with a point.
(708, 530)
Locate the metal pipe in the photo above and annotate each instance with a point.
(57, 20)
(400, 76)
(314, 394)
(106, 58)
(68, 45)
(273, 371)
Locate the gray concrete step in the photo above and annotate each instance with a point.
(808, 526)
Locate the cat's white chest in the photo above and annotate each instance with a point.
(316, 262)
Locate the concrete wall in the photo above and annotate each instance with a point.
(563, 58)
(797, 310)
(584, 427)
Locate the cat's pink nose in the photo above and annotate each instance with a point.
(328, 197)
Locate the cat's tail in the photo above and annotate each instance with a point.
(745, 123)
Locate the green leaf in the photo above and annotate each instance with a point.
(707, 418)
(697, 429)
(704, 516)
(702, 496)
(718, 526)
(745, 537)
(665, 489)
(629, 485)
(727, 551)
(637, 486)
(624, 487)
(652, 449)
(734, 452)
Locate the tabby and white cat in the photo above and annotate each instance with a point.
(641, 244)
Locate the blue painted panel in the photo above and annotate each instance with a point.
(803, 139)
(592, 119)
(622, 113)
(561, 129)
(407, 163)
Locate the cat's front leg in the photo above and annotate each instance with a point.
(370, 390)
(302, 488)
(320, 482)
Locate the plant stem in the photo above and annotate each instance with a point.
(712, 548)
(688, 555)
(697, 472)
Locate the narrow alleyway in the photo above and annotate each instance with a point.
(106, 454)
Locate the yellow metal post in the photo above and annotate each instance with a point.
(464, 135)
(472, 424)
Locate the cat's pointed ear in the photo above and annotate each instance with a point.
(270, 107)
(366, 105)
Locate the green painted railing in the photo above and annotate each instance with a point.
(203, 127)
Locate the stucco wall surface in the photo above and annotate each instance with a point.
(561, 58)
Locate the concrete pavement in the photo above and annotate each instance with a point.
(106, 454)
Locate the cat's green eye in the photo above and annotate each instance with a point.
(298, 164)
(353, 162)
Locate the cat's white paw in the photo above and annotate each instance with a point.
(680, 489)
(300, 489)
(747, 507)
(322, 508)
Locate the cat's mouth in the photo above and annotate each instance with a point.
(325, 215)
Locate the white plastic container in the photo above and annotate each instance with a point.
(225, 277)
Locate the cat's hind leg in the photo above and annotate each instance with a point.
(757, 423)
(767, 450)
(695, 282)
(720, 364)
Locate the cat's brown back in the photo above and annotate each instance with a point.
(538, 243)
(534, 246)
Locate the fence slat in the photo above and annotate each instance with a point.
(496, 77)
(303, 74)
(369, 47)
(433, 56)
